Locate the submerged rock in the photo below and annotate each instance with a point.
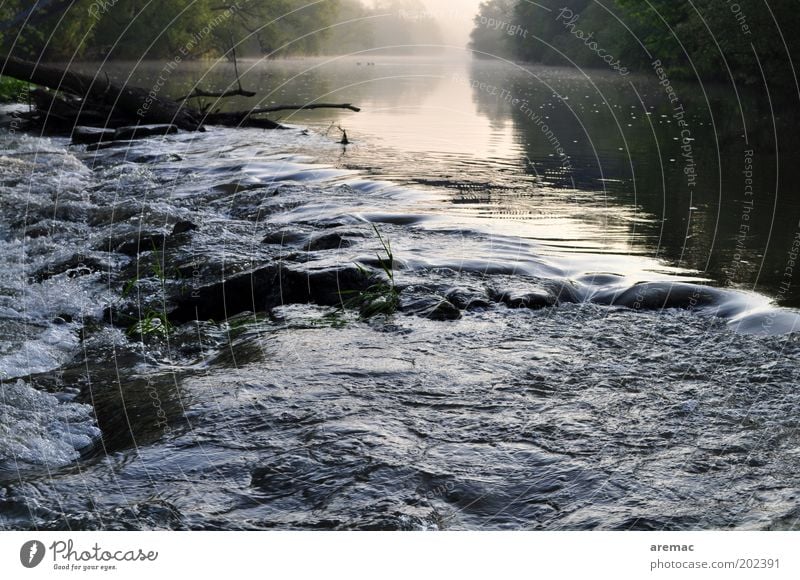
(146, 242)
(332, 241)
(658, 295)
(75, 265)
(285, 237)
(143, 131)
(184, 226)
(430, 307)
(273, 285)
(108, 145)
(535, 299)
(86, 135)
(466, 299)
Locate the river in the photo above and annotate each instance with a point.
(596, 328)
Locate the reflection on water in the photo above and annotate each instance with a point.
(601, 164)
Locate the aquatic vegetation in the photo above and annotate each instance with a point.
(153, 324)
(383, 297)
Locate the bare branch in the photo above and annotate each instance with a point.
(259, 110)
(201, 93)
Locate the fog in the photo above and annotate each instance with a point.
(454, 17)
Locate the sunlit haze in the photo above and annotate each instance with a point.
(455, 17)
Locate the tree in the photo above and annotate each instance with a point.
(491, 37)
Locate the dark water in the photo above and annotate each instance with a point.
(601, 410)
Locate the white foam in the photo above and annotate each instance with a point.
(38, 430)
(54, 346)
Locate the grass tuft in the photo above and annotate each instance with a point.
(383, 297)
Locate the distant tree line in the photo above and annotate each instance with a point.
(705, 39)
(59, 30)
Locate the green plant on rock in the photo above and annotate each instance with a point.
(153, 324)
(13, 91)
(383, 297)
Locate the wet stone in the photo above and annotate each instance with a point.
(662, 295)
(132, 246)
(108, 145)
(143, 131)
(285, 237)
(430, 307)
(86, 135)
(273, 285)
(533, 300)
(76, 265)
(332, 241)
(184, 226)
(467, 299)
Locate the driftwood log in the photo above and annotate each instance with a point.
(81, 99)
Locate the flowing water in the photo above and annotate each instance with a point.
(597, 325)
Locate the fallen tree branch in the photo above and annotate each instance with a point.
(247, 118)
(276, 108)
(138, 104)
(201, 93)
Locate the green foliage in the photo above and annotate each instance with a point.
(145, 29)
(153, 324)
(186, 29)
(59, 30)
(12, 90)
(495, 30)
(703, 39)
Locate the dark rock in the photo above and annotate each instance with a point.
(85, 135)
(143, 131)
(534, 299)
(143, 243)
(47, 228)
(76, 265)
(37, 231)
(431, 307)
(331, 241)
(108, 145)
(564, 292)
(658, 295)
(326, 286)
(273, 285)
(184, 226)
(466, 299)
(285, 238)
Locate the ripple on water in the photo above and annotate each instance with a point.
(578, 416)
(41, 432)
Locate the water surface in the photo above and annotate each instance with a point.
(605, 411)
